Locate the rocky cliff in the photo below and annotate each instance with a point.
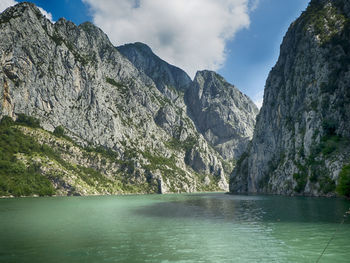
(170, 80)
(72, 77)
(223, 114)
(302, 137)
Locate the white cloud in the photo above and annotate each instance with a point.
(7, 3)
(47, 14)
(191, 34)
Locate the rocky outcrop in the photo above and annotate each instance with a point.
(223, 114)
(302, 135)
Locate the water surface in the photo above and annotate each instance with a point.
(210, 227)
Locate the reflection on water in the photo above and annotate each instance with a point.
(251, 208)
(201, 207)
(173, 228)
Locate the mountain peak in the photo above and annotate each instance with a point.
(142, 46)
(24, 5)
(206, 72)
(162, 73)
(139, 47)
(222, 113)
(27, 9)
(209, 75)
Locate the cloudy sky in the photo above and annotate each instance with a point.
(237, 38)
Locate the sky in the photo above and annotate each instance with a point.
(239, 39)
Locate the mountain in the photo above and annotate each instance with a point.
(100, 119)
(223, 114)
(301, 142)
(170, 80)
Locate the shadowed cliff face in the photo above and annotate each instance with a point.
(224, 115)
(131, 104)
(169, 79)
(302, 134)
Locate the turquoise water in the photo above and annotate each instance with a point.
(210, 227)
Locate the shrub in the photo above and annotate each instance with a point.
(314, 176)
(186, 145)
(329, 127)
(104, 151)
(120, 86)
(327, 185)
(343, 187)
(6, 121)
(28, 121)
(59, 131)
(330, 144)
(57, 39)
(301, 179)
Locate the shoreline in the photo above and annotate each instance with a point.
(123, 194)
(221, 192)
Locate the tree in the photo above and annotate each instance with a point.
(343, 187)
(59, 131)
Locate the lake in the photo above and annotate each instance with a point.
(210, 227)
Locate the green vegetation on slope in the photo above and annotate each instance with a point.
(120, 86)
(59, 131)
(325, 20)
(16, 178)
(178, 145)
(23, 161)
(343, 187)
(301, 179)
(37, 162)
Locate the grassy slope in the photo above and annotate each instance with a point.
(36, 162)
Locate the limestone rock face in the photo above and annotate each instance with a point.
(301, 139)
(72, 76)
(223, 114)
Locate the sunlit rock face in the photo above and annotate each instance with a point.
(123, 99)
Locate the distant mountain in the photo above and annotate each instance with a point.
(223, 114)
(167, 78)
(301, 142)
(113, 120)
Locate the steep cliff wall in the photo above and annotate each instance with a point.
(302, 135)
(72, 76)
(170, 80)
(223, 114)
